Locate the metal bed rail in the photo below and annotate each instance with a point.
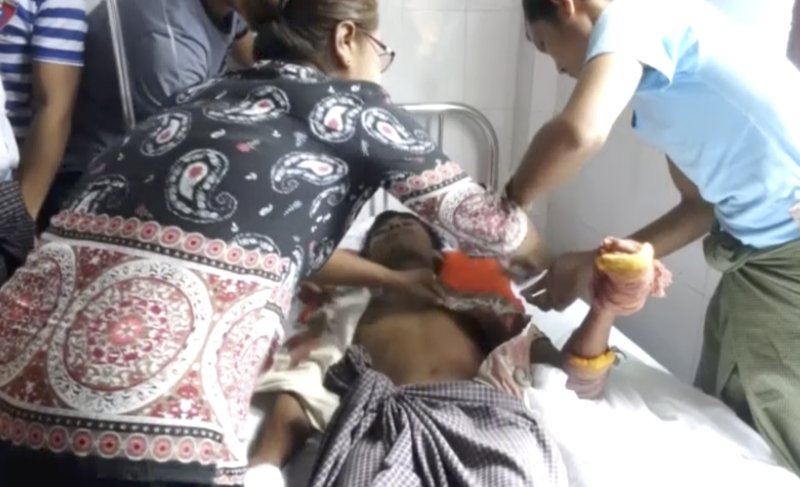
(440, 113)
(121, 63)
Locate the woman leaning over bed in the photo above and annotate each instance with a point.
(130, 340)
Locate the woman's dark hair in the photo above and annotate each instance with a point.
(300, 30)
(387, 215)
(539, 10)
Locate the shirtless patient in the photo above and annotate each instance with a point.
(408, 394)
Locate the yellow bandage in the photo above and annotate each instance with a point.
(624, 263)
(601, 362)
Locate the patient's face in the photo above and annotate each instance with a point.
(400, 237)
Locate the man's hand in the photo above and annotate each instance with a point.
(568, 276)
(420, 283)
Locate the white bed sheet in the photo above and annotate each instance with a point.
(649, 429)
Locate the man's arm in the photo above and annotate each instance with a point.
(242, 50)
(570, 273)
(54, 90)
(685, 223)
(560, 148)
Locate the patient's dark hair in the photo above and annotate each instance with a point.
(539, 10)
(387, 215)
(301, 30)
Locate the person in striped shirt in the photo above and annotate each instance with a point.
(16, 225)
(41, 56)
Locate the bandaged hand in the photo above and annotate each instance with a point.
(626, 274)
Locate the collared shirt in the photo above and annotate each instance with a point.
(723, 109)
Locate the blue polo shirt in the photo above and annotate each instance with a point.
(724, 110)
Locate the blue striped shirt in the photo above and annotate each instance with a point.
(46, 31)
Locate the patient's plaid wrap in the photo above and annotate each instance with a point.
(455, 433)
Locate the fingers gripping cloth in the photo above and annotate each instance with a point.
(626, 274)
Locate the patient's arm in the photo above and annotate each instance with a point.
(346, 268)
(589, 340)
(625, 276)
(282, 433)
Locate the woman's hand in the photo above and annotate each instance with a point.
(420, 283)
(567, 278)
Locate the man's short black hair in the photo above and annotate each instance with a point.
(383, 217)
(539, 10)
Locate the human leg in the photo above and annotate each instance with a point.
(757, 314)
(282, 432)
(706, 377)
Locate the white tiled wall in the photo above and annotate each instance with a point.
(625, 187)
(462, 51)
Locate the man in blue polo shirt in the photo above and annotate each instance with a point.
(170, 46)
(727, 115)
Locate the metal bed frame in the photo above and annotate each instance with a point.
(441, 113)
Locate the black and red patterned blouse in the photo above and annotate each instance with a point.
(137, 328)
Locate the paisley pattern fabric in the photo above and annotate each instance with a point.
(136, 330)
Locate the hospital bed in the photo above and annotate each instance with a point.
(641, 391)
(650, 428)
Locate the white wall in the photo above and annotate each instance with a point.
(457, 51)
(771, 19)
(627, 186)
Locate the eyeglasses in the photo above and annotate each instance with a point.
(385, 53)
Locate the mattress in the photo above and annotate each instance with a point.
(649, 428)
